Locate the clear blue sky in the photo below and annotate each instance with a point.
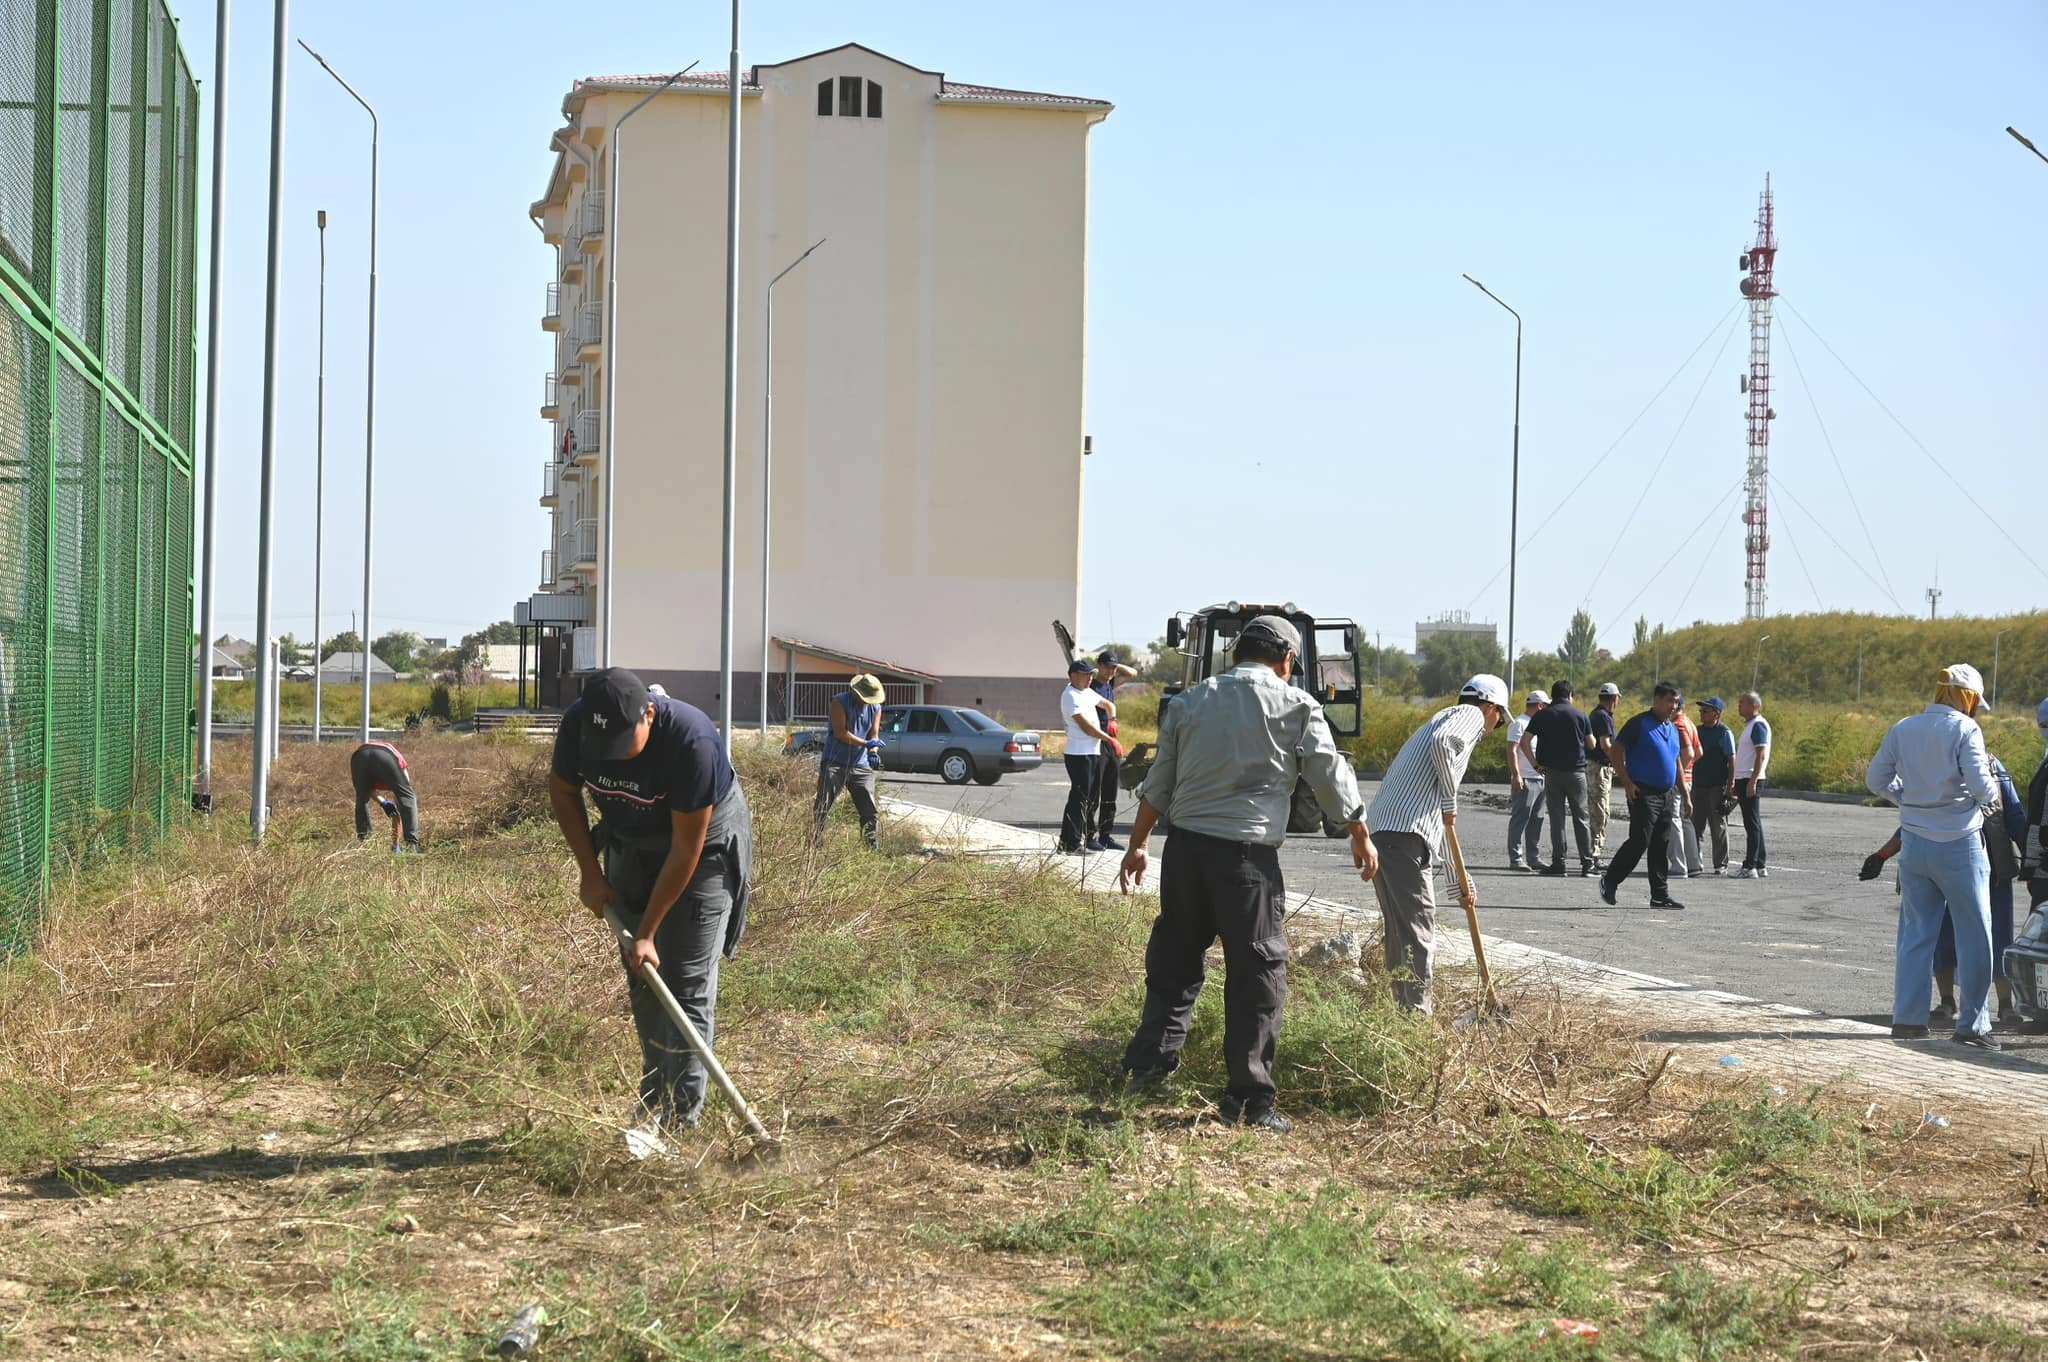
(1292, 393)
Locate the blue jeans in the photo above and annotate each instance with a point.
(1940, 880)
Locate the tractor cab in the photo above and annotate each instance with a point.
(1329, 664)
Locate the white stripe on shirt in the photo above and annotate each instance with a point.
(1421, 784)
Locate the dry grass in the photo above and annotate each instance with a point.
(325, 1102)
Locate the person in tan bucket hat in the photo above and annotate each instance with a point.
(852, 753)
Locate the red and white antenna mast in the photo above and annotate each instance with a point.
(1758, 287)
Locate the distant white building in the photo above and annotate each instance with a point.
(1454, 623)
(347, 669)
(226, 667)
(501, 661)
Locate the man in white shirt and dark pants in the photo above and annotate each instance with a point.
(1752, 759)
(1934, 767)
(1418, 799)
(1525, 779)
(1085, 713)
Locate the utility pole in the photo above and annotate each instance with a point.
(768, 470)
(259, 765)
(319, 471)
(1934, 600)
(1859, 668)
(202, 793)
(732, 380)
(1994, 665)
(1756, 665)
(1514, 479)
(2021, 138)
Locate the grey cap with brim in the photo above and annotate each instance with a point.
(1274, 629)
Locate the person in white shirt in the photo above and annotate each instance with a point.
(1085, 713)
(1752, 759)
(1525, 779)
(1934, 767)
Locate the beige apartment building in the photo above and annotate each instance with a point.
(929, 383)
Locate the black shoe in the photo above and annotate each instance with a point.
(1978, 1040)
(1552, 872)
(1234, 1112)
(1148, 1080)
(1110, 843)
(1666, 902)
(1900, 1032)
(1606, 892)
(1590, 869)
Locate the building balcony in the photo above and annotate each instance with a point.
(588, 335)
(590, 234)
(551, 310)
(574, 374)
(589, 433)
(547, 569)
(572, 258)
(579, 545)
(550, 398)
(550, 483)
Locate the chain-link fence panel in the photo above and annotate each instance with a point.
(98, 214)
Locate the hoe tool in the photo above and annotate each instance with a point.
(652, 978)
(1492, 1004)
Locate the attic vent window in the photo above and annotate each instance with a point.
(843, 96)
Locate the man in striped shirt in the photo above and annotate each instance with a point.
(1417, 799)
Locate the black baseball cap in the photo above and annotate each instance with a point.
(613, 701)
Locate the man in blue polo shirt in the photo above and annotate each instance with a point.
(1646, 768)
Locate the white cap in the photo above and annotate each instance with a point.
(1965, 676)
(1538, 697)
(1488, 687)
(1610, 689)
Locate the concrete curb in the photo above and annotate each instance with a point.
(1705, 1028)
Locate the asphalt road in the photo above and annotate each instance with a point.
(1811, 935)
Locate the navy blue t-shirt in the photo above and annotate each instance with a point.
(681, 770)
(1716, 764)
(1649, 747)
(1603, 727)
(1560, 737)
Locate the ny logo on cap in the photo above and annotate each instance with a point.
(599, 720)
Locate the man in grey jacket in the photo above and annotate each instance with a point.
(1231, 751)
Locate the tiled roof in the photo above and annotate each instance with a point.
(702, 80)
(954, 91)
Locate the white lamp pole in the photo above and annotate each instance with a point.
(768, 468)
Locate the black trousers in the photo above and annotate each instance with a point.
(1649, 829)
(1082, 773)
(1752, 825)
(1210, 888)
(1104, 811)
(372, 768)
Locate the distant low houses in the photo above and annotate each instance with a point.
(346, 669)
(225, 666)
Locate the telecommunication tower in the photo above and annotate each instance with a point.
(1758, 262)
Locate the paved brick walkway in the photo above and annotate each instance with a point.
(1703, 1025)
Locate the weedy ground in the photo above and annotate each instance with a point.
(323, 1102)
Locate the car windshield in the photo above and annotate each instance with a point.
(977, 721)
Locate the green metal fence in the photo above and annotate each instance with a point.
(99, 155)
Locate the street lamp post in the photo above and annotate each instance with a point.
(611, 354)
(370, 393)
(202, 794)
(1757, 662)
(259, 763)
(2021, 138)
(1994, 665)
(732, 380)
(1514, 478)
(319, 469)
(768, 467)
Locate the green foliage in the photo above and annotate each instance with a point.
(1578, 650)
(341, 704)
(1162, 664)
(1814, 657)
(399, 649)
(1449, 660)
(347, 641)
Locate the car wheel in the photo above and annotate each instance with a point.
(987, 777)
(956, 767)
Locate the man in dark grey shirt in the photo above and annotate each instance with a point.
(1230, 753)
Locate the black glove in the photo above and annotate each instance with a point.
(1873, 866)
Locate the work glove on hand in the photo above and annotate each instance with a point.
(1873, 866)
(1116, 748)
